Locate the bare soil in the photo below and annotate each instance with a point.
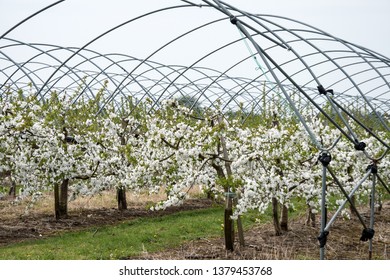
(36, 225)
(300, 242)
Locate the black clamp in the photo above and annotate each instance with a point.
(233, 19)
(323, 238)
(360, 146)
(373, 168)
(325, 158)
(368, 233)
(324, 91)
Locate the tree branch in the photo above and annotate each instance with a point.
(176, 147)
(166, 158)
(215, 156)
(297, 185)
(86, 177)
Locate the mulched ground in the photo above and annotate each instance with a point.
(300, 242)
(33, 226)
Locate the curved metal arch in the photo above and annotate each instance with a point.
(109, 31)
(18, 66)
(56, 48)
(182, 36)
(369, 56)
(334, 69)
(221, 73)
(204, 57)
(147, 90)
(172, 41)
(341, 69)
(364, 60)
(314, 46)
(205, 76)
(322, 32)
(33, 72)
(287, 62)
(47, 66)
(267, 59)
(179, 87)
(102, 71)
(6, 75)
(236, 64)
(86, 59)
(329, 58)
(205, 86)
(152, 68)
(285, 74)
(120, 26)
(30, 17)
(34, 46)
(227, 70)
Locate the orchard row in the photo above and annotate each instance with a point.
(67, 147)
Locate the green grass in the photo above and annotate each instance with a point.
(129, 238)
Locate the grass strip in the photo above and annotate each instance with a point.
(128, 238)
(133, 237)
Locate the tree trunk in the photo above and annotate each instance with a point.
(352, 211)
(275, 216)
(229, 226)
(311, 217)
(284, 221)
(353, 198)
(57, 201)
(61, 199)
(121, 191)
(12, 190)
(121, 197)
(240, 231)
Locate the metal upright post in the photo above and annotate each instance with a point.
(323, 212)
(372, 202)
(325, 159)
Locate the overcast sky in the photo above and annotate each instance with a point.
(75, 22)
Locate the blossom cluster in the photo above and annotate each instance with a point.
(169, 149)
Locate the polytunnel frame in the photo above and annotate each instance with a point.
(148, 14)
(22, 66)
(107, 32)
(164, 76)
(75, 70)
(47, 52)
(39, 92)
(167, 44)
(90, 60)
(266, 59)
(194, 5)
(314, 77)
(325, 157)
(273, 41)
